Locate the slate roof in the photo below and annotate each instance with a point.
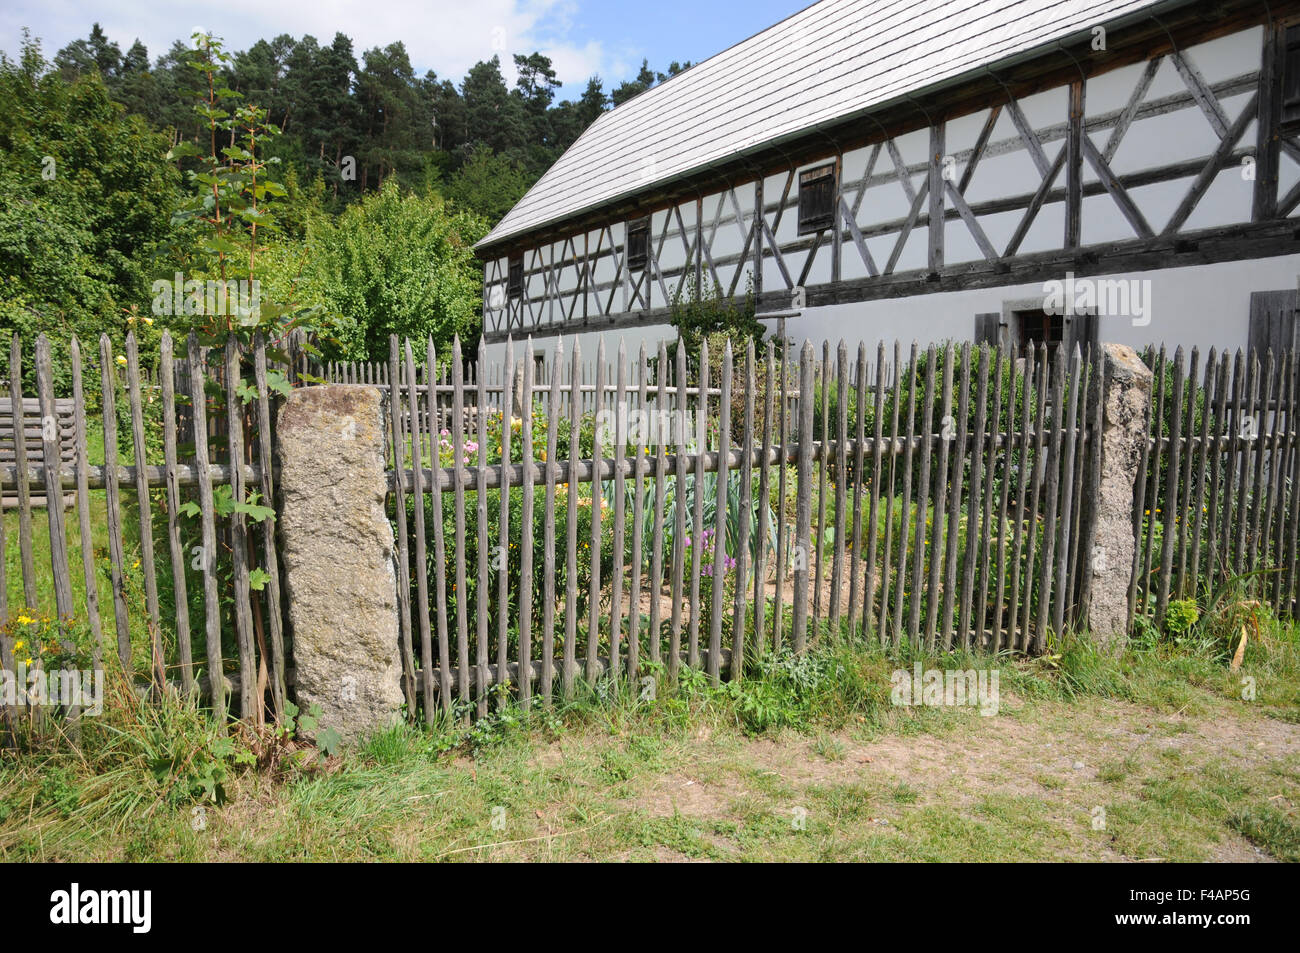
(827, 63)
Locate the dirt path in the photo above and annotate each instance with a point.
(1087, 780)
(1202, 777)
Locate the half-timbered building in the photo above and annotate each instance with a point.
(990, 170)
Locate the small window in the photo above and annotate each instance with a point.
(638, 244)
(1036, 327)
(515, 281)
(1291, 78)
(817, 199)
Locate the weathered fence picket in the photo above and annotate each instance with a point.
(948, 489)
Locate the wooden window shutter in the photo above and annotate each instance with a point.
(515, 277)
(988, 329)
(1291, 75)
(638, 244)
(1272, 323)
(817, 189)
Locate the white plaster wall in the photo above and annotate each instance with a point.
(1204, 306)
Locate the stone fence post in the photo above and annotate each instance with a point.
(337, 553)
(1124, 384)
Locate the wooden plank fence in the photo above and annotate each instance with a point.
(667, 517)
(35, 427)
(1218, 503)
(174, 534)
(565, 517)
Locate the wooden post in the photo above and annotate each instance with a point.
(53, 489)
(207, 515)
(803, 506)
(83, 519)
(421, 555)
(1267, 141)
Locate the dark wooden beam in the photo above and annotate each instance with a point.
(1126, 205)
(1035, 204)
(1211, 169)
(913, 216)
(1074, 167)
(977, 151)
(1129, 113)
(1205, 246)
(935, 256)
(982, 240)
(1267, 145)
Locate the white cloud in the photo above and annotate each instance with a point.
(447, 36)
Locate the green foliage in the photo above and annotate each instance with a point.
(360, 118)
(487, 184)
(704, 312)
(1270, 827)
(85, 199)
(1180, 616)
(233, 191)
(393, 264)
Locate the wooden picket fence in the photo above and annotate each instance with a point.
(944, 509)
(164, 500)
(1218, 498)
(561, 519)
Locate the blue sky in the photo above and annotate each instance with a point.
(583, 37)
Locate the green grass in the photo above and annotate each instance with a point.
(1159, 741)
